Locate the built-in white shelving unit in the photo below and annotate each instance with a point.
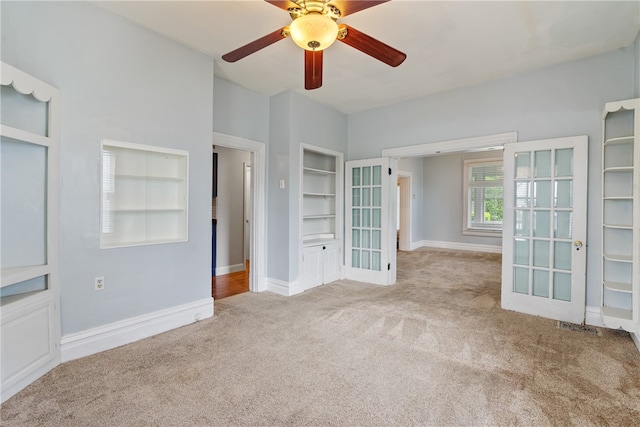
(322, 183)
(144, 194)
(621, 215)
(29, 259)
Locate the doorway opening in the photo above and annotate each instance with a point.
(245, 243)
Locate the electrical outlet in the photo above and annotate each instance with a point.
(99, 283)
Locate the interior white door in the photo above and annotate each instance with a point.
(544, 248)
(370, 254)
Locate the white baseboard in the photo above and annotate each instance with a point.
(593, 316)
(281, 287)
(636, 340)
(227, 269)
(95, 340)
(457, 246)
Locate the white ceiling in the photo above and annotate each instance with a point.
(449, 44)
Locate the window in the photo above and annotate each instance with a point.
(483, 196)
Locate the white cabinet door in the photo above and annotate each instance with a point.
(311, 267)
(330, 263)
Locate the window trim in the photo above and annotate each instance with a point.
(466, 230)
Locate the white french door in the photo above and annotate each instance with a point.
(370, 254)
(544, 247)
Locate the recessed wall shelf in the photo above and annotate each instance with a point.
(144, 194)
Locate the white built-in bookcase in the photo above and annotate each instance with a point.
(144, 194)
(621, 215)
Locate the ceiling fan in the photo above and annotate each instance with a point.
(314, 28)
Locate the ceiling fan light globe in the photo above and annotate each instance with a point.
(314, 31)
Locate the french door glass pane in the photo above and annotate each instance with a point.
(355, 218)
(366, 197)
(564, 162)
(355, 258)
(366, 242)
(563, 194)
(377, 196)
(355, 197)
(562, 286)
(563, 225)
(541, 253)
(355, 177)
(366, 218)
(365, 260)
(562, 255)
(541, 283)
(521, 280)
(366, 175)
(541, 223)
(377, 175)
(523, 165)
(521, 223)
(376, 239)
(542, 194)
(375, 261)
(355, 238)
(377, 217)
(523, 194)
(543, 164)
(521, 251)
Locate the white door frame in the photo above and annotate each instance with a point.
(257, 273)
(405, 200)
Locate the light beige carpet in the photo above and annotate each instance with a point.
(435, 349)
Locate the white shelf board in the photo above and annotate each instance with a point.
(618, 226)
(150, 177)
(618, 286)
(620, 140)
(318, 216)
(24, 136)
(618, 198)
(617, 313)
(319, 194)
(617, 257)
(142, 210)
(319, 171)
(619, 169)
(11, 276)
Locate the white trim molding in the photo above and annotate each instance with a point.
(227, 269)
(593, 317)
(258, 252)
(494, 249)
(95, 340)
(283, 288)
(452, 146)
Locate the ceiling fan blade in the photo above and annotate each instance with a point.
(349, 7)
(312, 69)
(254, 46)
(372, 47)
(282, 4)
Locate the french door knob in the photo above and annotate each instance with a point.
(577, 244)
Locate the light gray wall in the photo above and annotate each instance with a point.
(239, 111)
(443, 199)
(562, 100)
(121, 82)
(230, 207)
(278, 227)
(294, 119)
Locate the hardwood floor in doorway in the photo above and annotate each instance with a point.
(230, 284)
